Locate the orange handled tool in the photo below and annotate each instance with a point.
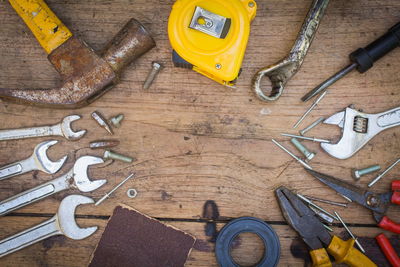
(314, 234)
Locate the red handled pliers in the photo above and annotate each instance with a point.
(377, 203)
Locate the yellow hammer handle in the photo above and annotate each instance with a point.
(320, 258)
(345, 252)
(44, 24)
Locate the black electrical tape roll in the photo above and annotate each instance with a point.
(247, 225)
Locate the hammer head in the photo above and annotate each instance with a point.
(43, 162)
(81, 179)
(86, 76)
(66, 217)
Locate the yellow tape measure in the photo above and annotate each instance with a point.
(210, 36)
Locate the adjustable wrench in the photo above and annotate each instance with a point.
(63, 223)
(37, 161)
(76, 177)
(281, 72)
(62, 129)
(358, 128)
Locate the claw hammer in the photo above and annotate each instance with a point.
(86, 75)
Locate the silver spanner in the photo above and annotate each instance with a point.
(37, 161)
(358, 128)
(77, 177)
(62, 129)
(281, 72)
(63, 223)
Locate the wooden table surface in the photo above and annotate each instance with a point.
(195, 140)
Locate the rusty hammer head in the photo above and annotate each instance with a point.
(86, 75)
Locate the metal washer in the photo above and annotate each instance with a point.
(131, 193)
(248, 225)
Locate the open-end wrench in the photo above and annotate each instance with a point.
(281, 72)
(63, 223)
(358, 128)
(76, 177)
(62, 129)
(37, 161)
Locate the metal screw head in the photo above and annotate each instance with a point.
(218, 66)
(356, 174)
(251, 4)
(116, 121)
(156, 65)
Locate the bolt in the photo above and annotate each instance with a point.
(112, 155)
(156, 68)
(299, 160)
(373, 201)
(308, 154)
(218, 66)
(358, 173)
(116, 121)
(315, 123)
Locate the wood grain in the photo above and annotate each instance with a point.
(195, 140)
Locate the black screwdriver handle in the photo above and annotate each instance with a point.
(365, 57)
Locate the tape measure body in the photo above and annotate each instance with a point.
(196, 33)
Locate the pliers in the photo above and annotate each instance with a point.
(377, 203)
(314, 234)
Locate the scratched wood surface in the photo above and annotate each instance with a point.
(195, 140)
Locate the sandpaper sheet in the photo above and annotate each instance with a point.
(137, 240)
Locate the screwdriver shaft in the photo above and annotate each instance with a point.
(334, 78)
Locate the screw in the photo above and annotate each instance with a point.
(116, 121)
(358, 173)
(307, 138)
(350, 233)
(112, 155)
(315, 123)
(316, 206)
(383, 173)
(156, 68)
(310, 109)
(292, 155)
(102, 122)
(112, 191)
(218, 66)
(308, 154)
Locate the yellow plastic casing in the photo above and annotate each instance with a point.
(218, 59)
(320, 258)
(44, 24)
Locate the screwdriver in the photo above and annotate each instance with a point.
(362, 59)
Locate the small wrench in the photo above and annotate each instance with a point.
(63, 223)
(62, 129)
(281, 72)
(76, 177)
(37, 161)
(358, 128)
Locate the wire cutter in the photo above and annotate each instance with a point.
(377, 203)
(314, 234)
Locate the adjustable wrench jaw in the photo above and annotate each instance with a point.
(80, 175)
(357, 129)
(42, 162)
(66, 217)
